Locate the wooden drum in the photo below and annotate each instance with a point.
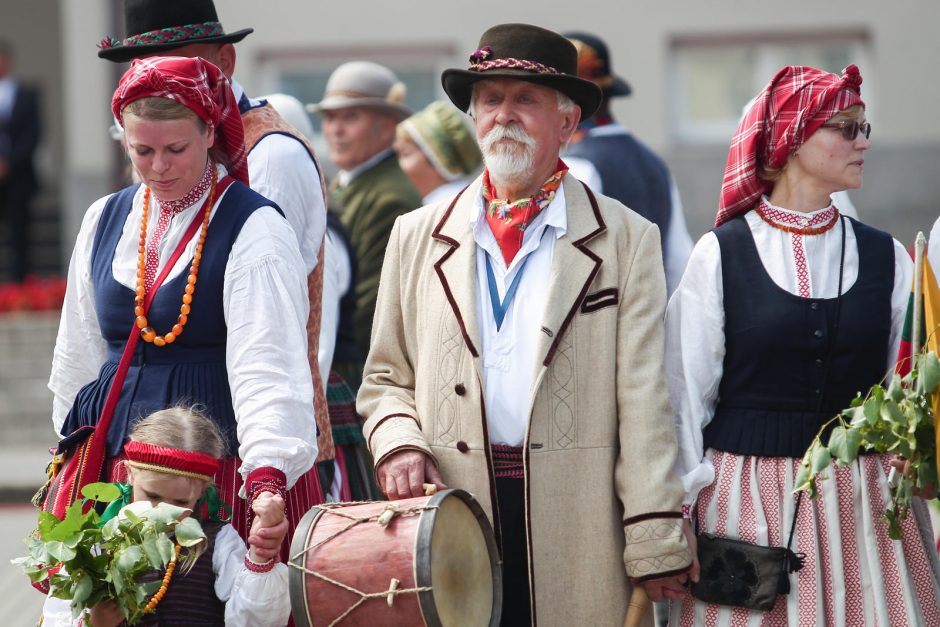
(429, 561)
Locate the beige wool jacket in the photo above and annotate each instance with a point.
(602, 502)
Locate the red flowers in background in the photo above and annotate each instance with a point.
(33, 294)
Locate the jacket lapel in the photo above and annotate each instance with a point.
(456, 267)
(574, 267)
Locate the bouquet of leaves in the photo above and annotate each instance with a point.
(898, 420)
(87, 562)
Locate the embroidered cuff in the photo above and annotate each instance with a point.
(255, 567)
(265, 479)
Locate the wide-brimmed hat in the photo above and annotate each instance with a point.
(527, 53)
(443, 135)
(363, 84)
(594, 64)
(158, 25)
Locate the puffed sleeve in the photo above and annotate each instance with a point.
(695, 352)
(79, 348)
(251, 599)
(266, 306)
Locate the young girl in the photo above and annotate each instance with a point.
(171, 458)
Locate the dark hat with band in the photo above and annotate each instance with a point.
(526, 53)
(158, 25)
(594, 64)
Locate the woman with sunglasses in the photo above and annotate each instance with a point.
(785, 311)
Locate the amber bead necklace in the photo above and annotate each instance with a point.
(146, 331)
(159, 594)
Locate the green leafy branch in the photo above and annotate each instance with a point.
(898, 420)
(87, 562)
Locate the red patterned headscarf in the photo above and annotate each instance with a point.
(796, 102)
(199, 85)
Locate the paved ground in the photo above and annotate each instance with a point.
(22, 604)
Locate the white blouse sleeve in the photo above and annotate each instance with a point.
(265, 304)
(900, 294)
(251, 599)
(695, 352)
(79, 348)
(280, 168)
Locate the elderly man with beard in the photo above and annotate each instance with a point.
(517, 353)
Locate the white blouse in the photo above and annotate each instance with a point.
(251, 599)
(264, 299)
(695, 340)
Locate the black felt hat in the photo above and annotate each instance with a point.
(594, 64)
(527, 53)
(157, 25)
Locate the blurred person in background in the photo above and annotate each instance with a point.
(437, 150)
(19, 137)
(612, 161)
(362, 104)
(353, 479)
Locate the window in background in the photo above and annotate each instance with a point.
(714, 77)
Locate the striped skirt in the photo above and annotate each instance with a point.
(305, 494)
(853, 574)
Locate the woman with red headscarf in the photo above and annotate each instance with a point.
(210, 274)
(786, 310)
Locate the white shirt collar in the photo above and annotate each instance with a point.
(345, 177)
(554, 216)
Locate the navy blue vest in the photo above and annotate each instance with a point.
(631, 173)
(190, 597)
(346, 349)
(776, 345)
(191, 369)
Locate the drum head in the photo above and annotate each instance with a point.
(456, 556)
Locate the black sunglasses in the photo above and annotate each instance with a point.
(850, 128)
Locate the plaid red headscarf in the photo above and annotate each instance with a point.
(199, 85)
(796, 102)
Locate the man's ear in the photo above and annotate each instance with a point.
(569, 123)
(226, 60)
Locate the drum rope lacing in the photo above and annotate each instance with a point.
(391, 510)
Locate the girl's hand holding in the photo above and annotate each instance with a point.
(106, 614)
(269, 527)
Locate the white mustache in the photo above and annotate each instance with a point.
(512, 132)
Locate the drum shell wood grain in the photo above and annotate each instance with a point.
(367, 556)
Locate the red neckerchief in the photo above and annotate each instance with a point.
(509, 219)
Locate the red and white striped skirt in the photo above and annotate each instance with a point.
(854, 574)
(228, 481)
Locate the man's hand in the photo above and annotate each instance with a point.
(403, 475)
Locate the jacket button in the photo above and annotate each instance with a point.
(819, 363)
(818, 333)
(460, 389)
(462, 446)
(814, 306)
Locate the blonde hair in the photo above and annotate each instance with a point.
(187, 429)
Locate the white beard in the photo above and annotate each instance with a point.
(508, 162)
